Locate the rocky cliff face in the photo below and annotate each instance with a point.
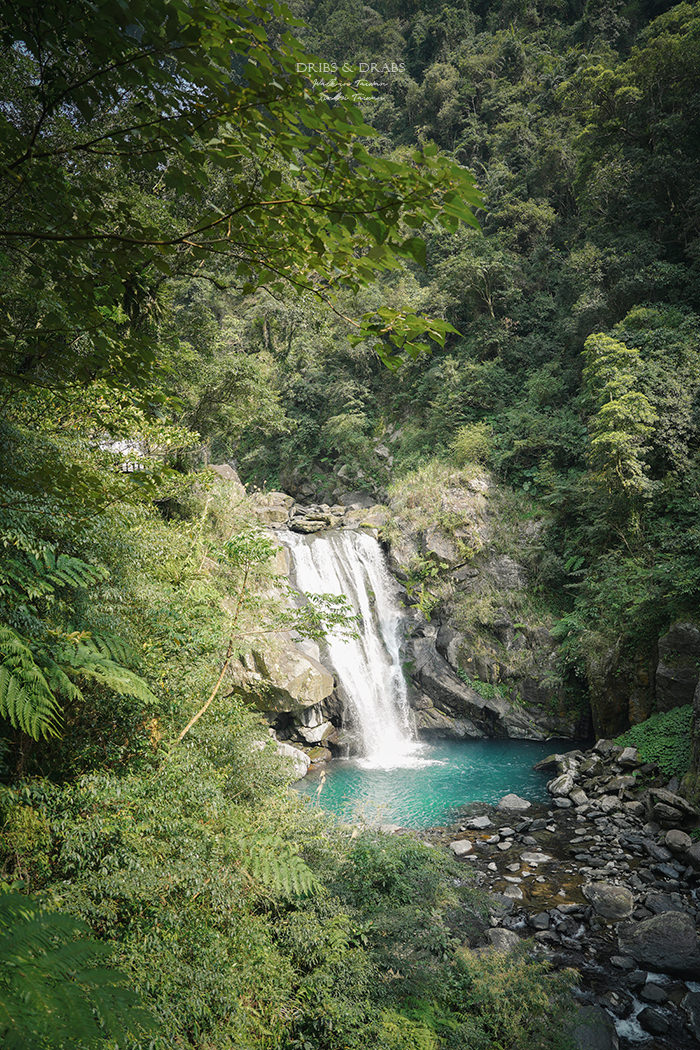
(482, 655)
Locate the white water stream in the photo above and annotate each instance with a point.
(368, 668)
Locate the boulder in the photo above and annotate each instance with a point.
(610, 901)
(514, 803)
(316, 734)
(461, 847)
(561, 786)
(678, 669)
(593, 1029)
(272, 508)
(297, 760)
(281, 678)
(666, 943)
(502, 940)
(653, 1021)
(669, 808)
(227, 473)
(629, 758)
(677, 841)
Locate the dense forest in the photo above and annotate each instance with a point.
(211, 254)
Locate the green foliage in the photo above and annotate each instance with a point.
(471, 444)
(56, 988)
(624, 417)
(664, 738)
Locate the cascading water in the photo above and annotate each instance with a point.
(368, 667)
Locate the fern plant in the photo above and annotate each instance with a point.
(42, 660)
(57, 990)
(275, 863)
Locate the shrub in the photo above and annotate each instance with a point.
(665, 738)
(472, 444)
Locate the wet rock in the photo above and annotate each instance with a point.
(668, 943)
(608, 900)
(514, 803)
(653, 993)
(653, 1021)
(593, 1029)
(622, 962)
(691, 1005)
(578, 796)
(514, 892)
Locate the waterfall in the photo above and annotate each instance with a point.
(368, 668)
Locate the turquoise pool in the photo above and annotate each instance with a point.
(443, 777)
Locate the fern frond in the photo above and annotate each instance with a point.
(85, 662)
(55, 989)
(26, 698)
(276, 864)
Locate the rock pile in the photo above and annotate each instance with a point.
(606, 880)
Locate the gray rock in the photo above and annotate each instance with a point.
(668, 943)
(228, 474)
(673, 801)
(691, 1005)
(563, 803)
(316, 734)
(535, 858)
(561, 786)
(593, 1029)
(622, 962)
(506, 574)
(608, 803)
(653, 993)
(540, 921)
(653, 1021)
(677, 841)
(461, 847)
(503, 846)
(629, 758)
(693, 855)
(514, 803)
(608, 900)
(503, 940)
(514, 892)
(677, 670)
(297, 760)
(479, 823)
(578, 796)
